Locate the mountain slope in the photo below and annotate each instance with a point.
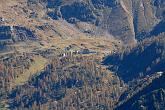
(71, 38)
(147, 58)
(127, 20)
(149, 98)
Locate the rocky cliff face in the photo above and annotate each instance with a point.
(15, 34)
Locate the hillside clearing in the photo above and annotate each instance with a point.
(38, 65)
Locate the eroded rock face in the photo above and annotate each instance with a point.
(120, 23)
(79, 11)
(5, 32)
(160, 8)
(15, 33)
(144, 17)
(104, 3)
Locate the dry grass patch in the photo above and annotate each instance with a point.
(38, 65)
